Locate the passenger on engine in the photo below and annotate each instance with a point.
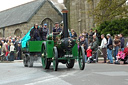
(34, 33)
(56, 29)
(44, 31)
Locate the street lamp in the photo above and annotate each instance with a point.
(3, 31)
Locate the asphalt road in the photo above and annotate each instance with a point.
(94, 74)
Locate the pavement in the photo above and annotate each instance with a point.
(14, 73)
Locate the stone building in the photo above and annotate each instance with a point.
(78, 16)
(18, 20)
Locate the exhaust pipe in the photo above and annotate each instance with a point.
(65, 21)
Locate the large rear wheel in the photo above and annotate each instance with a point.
(81, 58)
(70, 63)
(55, 59)
(45, 61)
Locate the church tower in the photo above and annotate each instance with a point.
(79, 18)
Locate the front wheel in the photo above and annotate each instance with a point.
(25, 62)
(70, 63)
(30, 61)
(81, 58)
(55, 59)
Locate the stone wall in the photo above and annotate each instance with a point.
(78, 14)
(46, 11)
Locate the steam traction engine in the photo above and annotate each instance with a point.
(62, 48)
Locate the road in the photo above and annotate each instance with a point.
(94, 74)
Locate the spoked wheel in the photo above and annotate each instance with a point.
(25, 61)
(45, 61)
(70, 63)
(30, 61)
(81, 58)
(55, 59)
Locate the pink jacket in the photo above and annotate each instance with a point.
(121, 55)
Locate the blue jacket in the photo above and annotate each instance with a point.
(109, 42)
(122, 42)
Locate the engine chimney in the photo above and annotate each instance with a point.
(65, 21)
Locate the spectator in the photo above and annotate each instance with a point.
(80, 36)
(19, 52)
(122, 42)
(12, 52)
(103, 46)
(95, 37)
(84, 44)
(96, 33)
(120, 55)
(91, 35)
(126, 53)
(73, 34)
(89, 54)
(109, 49)
(116, 45)
(94, 48)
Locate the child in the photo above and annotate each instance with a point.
(89, 53)
(120, 55)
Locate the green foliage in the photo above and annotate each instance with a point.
(114, 27)
(107, 10)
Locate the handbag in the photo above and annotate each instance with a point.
(110, 47)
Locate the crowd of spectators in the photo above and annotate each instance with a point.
(10, 48)
(111, 48)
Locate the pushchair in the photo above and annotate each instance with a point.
(94, 57)
(2, 57)
(125, 60)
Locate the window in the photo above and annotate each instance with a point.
(17, 32)
(49, 23)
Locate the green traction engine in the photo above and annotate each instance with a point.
(62, 48)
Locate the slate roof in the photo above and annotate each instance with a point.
(22, 13)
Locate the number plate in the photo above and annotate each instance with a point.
(68, 56)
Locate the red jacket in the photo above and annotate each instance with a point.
(89, 52)
(126, 51)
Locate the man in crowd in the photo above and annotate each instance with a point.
(103, 46)
(91, 35)
(109, 49)
(122, 42)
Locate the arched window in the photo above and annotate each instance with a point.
(17, 32)
(49, 23)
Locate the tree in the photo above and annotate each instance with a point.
(107, 10)
(114, 27)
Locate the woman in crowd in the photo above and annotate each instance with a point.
(116, 45)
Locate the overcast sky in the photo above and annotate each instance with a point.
(6, 4)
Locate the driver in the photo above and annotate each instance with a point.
(56, 29)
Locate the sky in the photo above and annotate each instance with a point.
(6, 4)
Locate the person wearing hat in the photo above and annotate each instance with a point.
(44, 31)
(56, 29)
(109, 49)
(35, 33)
